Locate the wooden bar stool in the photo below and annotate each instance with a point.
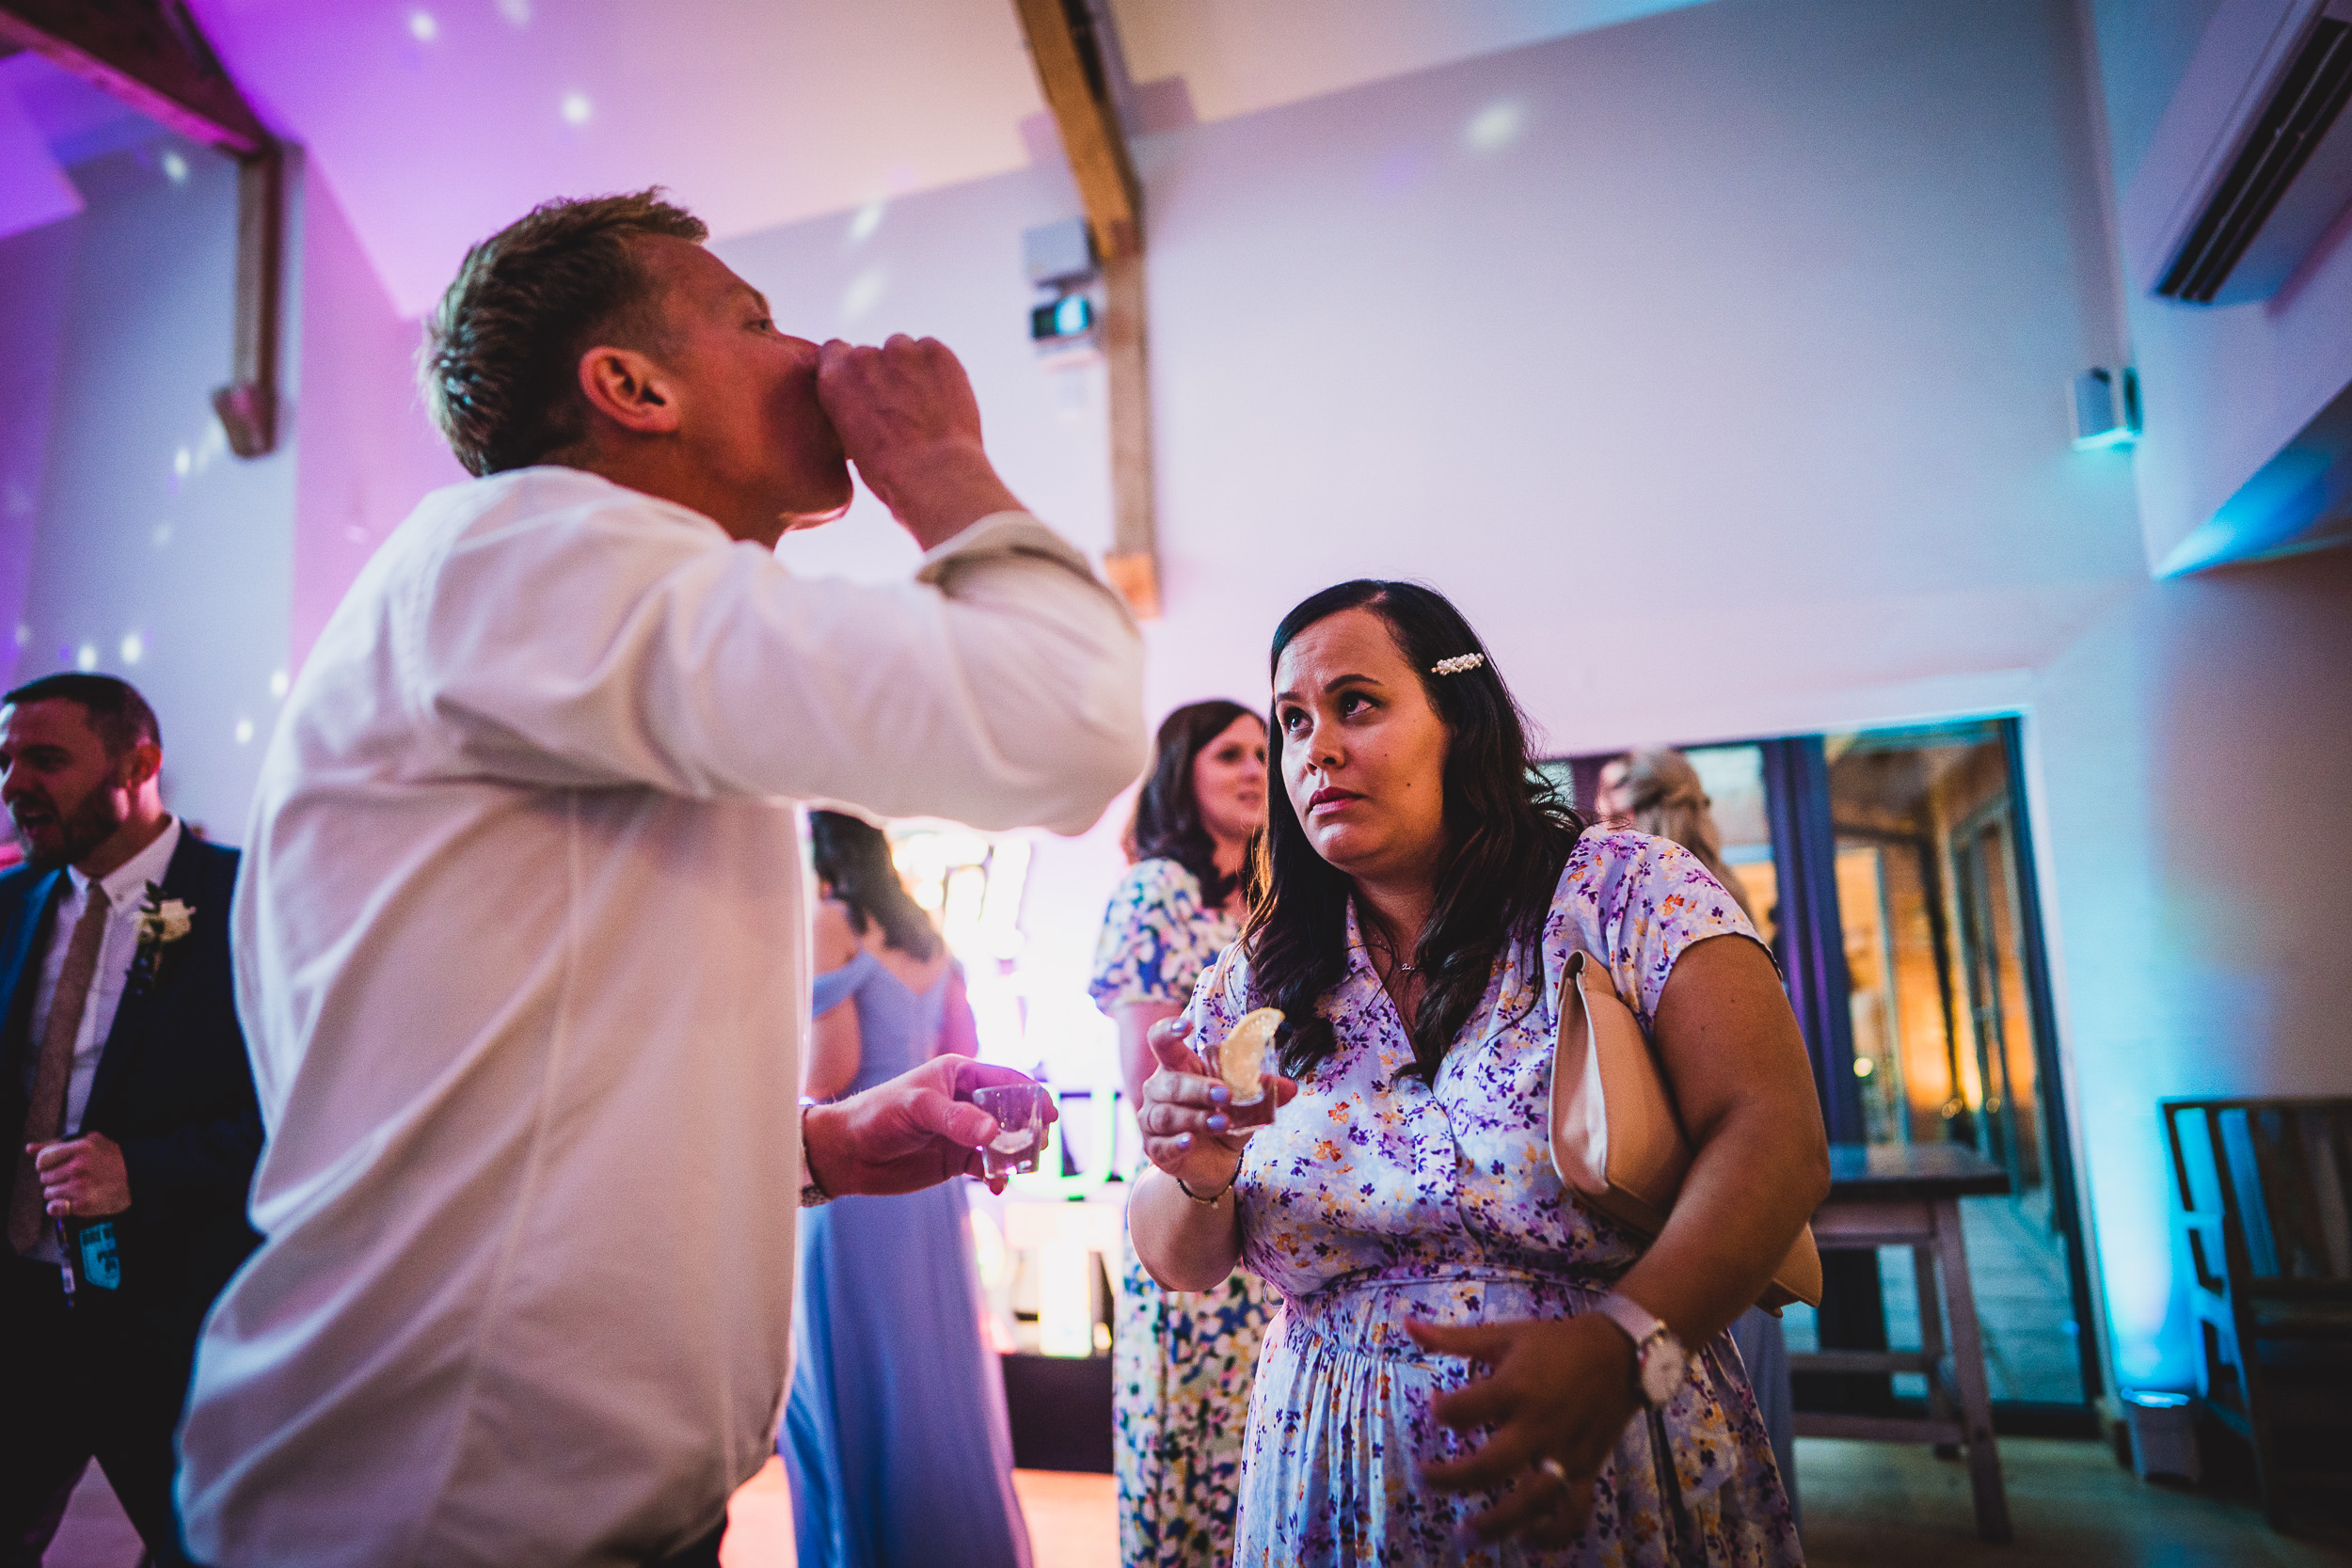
(1909, 1196)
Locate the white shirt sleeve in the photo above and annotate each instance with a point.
(623, 641)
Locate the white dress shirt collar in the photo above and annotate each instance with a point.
(128, 881)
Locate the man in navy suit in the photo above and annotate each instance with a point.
(128, 1104)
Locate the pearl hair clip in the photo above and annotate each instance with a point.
(1456, 665)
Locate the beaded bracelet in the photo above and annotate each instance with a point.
(1216, 1198)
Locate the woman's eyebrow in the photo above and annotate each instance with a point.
(1331, 685)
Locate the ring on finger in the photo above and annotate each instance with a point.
(1553, 1468)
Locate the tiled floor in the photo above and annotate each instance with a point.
(2017, 1274)
(1871, 1504)
(1866, 1505)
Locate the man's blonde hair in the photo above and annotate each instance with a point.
(499, 367)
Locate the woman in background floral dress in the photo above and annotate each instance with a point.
(1182, 1359)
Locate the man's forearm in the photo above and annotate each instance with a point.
(949, 492)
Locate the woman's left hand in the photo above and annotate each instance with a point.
(1561, 1389)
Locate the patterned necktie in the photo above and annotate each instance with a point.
(44, 1116)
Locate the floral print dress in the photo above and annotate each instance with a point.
(1375, 1199)
(1181, 1359)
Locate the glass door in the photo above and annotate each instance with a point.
(1891, 872)
(1951, 1025)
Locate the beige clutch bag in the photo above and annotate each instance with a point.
(1616, 1137)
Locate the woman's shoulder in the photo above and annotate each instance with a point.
(1603, 855)
(832, 939)
(1616, 874)
(1637, 901)
(1156, 882)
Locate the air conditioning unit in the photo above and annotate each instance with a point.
(2252, 161)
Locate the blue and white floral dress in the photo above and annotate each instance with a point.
(1375, 1199)
(1181, 1359)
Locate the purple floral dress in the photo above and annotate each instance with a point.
(1181, 1359)
(1375, 1199)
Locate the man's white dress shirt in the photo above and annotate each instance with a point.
(520, 953)
(126, 889)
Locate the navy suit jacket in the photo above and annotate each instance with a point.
(174, 1088)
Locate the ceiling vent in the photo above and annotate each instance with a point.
(2252, 161)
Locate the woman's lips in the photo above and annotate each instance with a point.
(1328, 798)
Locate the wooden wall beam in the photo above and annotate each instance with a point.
(150, 56)
(1073, 56)
(248, 407)
(1133, 563)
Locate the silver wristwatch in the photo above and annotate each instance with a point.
(1658, 1356)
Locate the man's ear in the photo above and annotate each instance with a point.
(140, 763)
(629, 389)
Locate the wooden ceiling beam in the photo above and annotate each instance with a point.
(149, 54)
(1074, 59)
(1067, 47)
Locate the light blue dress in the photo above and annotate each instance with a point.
(896, 1434)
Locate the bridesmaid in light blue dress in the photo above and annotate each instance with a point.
(895, 1436)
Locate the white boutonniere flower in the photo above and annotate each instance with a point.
(166, 920)
(161, 921)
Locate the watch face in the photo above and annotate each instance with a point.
(1664, 1365)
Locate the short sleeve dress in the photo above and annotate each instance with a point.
(1375, 1199)
(1181, 1359)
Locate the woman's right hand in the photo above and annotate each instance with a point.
(1182, 1114)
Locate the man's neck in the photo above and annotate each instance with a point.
(656, 475)
(124, 844)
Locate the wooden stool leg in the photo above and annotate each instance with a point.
(1931, 1343)
(1976, 1402)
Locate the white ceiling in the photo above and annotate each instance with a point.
(436, 122)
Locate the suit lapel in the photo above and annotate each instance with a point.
(137, 1009)
(16, 994)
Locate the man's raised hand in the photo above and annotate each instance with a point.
(907, 418)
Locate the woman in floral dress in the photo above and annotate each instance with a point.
(1469, 1365)
(1181, 1358)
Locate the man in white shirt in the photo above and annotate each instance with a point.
(521, 930)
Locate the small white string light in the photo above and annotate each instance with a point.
(1456, 665)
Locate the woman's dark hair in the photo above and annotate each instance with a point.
(1508, 829)
(1168, 813)
(852, 858)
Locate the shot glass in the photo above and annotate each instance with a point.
(1242, 1115)
(1020, 1113)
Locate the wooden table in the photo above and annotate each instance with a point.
(1909, 1196)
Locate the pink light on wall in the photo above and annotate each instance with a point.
(366, 453)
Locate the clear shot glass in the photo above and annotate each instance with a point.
(1243, 1116)
(1020, 1113)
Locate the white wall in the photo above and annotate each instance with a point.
(154, 554)
(1725, 391)
(2193, 762)
(366, 452)
(37, 265)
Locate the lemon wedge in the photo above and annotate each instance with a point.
(1241, 1059)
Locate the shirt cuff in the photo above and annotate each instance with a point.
(1003, 536)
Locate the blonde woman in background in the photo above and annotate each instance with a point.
(1658, 793)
